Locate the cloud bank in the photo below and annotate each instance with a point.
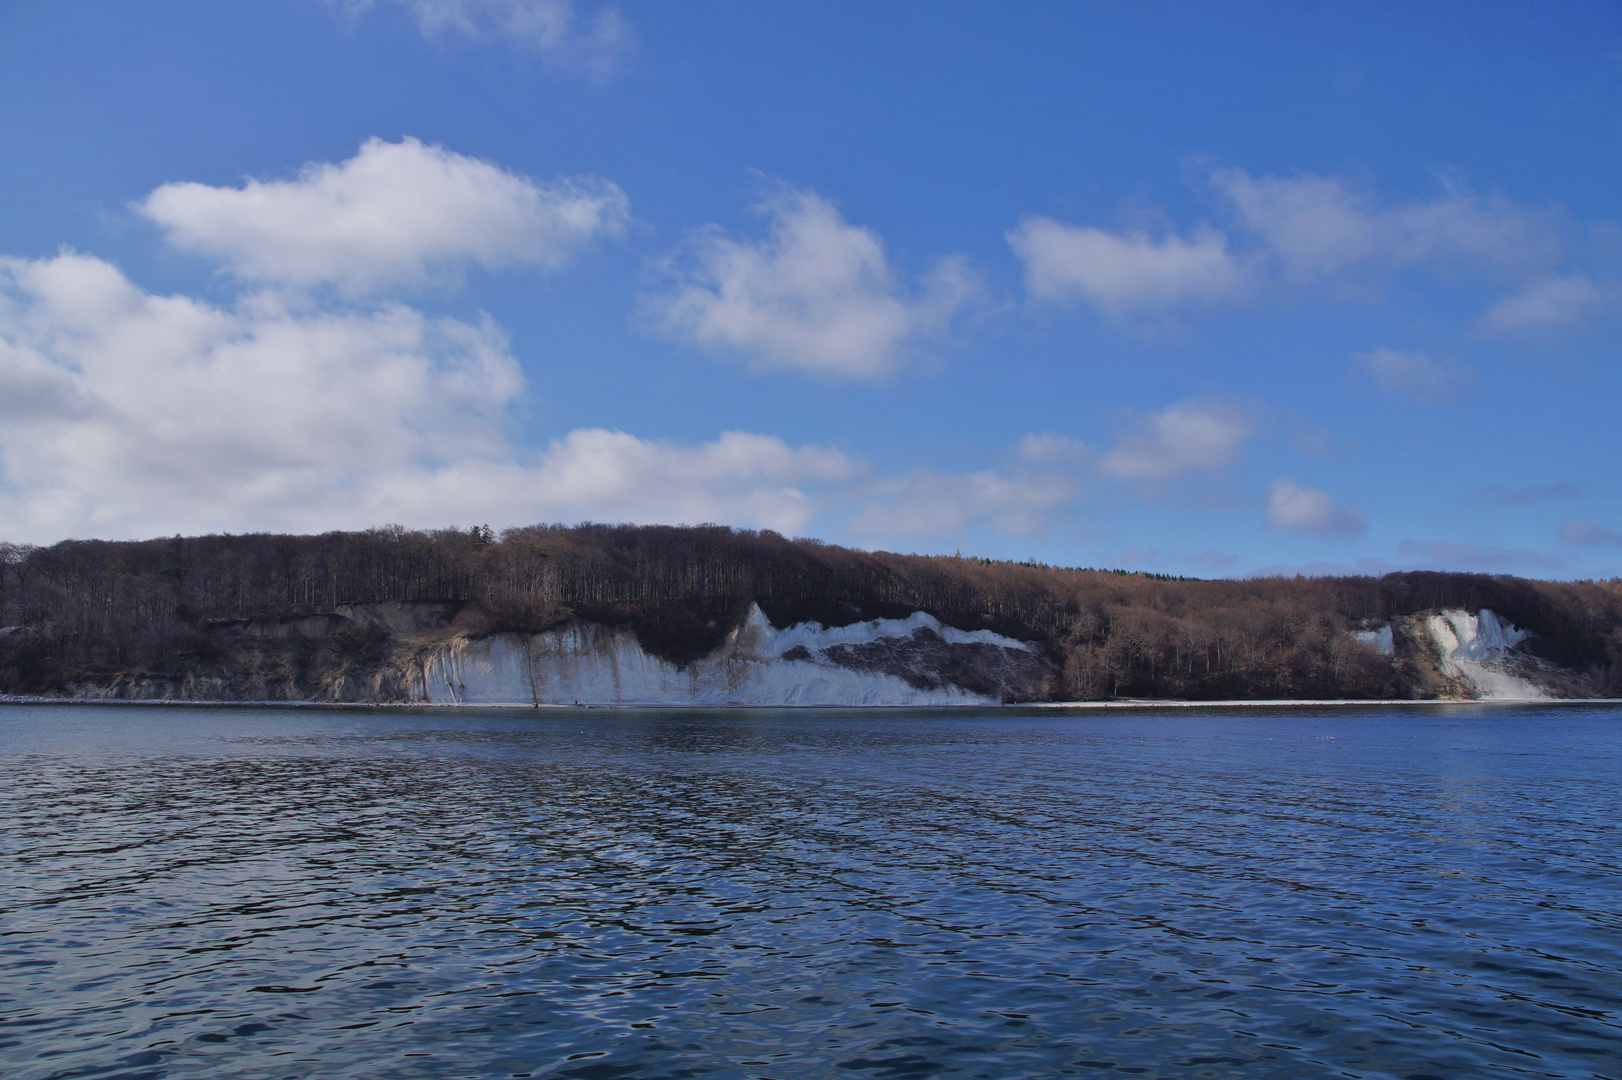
(314, 400)
(1318, 231)
(1316, 226)
(293, 408)
(128, 414)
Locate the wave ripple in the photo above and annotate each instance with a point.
(200, 892)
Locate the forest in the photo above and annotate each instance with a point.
(93, 609)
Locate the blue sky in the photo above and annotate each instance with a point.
(1202, 290)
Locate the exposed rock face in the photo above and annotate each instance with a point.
(1454, 654)
(400, 652)
(925, 660)
(390, 617)
(1479, 653)
(913, 661)
(353, 653)
(1381, 640)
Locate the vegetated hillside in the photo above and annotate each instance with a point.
(295, 613)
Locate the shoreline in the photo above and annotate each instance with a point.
(1123, 703)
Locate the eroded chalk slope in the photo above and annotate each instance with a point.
(912, 661)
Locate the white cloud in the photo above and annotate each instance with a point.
(127, 414)
(1303, 509)
(1119, 271)
(1573, 531)
(166, 405)
(1187, 437)
(1414, 375)
(1553, 302)
(817, 294)
(741, 478)
(550, 29)
(1309, 228)
(394, 214)
(124, 414)
(1017, 502)
(1321, 225)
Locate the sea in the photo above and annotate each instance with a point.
(1420, 892)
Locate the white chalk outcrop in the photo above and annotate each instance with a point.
(878, 662)
(1381, 640)
(1479, 652)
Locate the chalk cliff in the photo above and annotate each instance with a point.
(708, 614)
(397, 652)
(1472, 655)
(912, 661)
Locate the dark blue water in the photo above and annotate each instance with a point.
(1401, 892)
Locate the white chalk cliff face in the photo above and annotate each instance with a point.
(1479, 651)
(880, 662)
(1381, 640)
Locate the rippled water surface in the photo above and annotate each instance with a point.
(1403, 892)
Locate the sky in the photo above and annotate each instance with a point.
(1214, 290)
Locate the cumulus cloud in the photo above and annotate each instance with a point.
(1302, 509)
(1310, 227)
(1188, 437)
(1553, 302)
(550, 29)
(817, 294)
(125, 414)
(1120, 271)
(1589, 533)
(1414, 375)
(1321, 225)
(128, 414)
(169, 401)
(1313, 230)
(394, 214)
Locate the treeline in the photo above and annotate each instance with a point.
(83, 608)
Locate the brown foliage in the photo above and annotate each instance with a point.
(95, 608)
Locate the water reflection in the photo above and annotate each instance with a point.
(221, 892)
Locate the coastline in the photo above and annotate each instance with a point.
(1124, 703)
